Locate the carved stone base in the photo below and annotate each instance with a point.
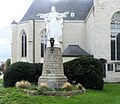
(52, 73)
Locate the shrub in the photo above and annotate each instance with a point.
(23, 84)
(44, 86)
(85, 70)
(22, 71)
(67, 86)
(80, 87)
(38, 69)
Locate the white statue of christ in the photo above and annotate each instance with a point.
(54, 25)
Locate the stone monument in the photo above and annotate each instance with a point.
(53, 73)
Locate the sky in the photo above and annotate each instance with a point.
(10, 10)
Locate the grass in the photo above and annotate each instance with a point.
(110, 95)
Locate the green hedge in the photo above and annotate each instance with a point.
(85, 70)
(22, 71)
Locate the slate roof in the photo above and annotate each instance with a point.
(80, 7)
(74, 51)
(14, 22)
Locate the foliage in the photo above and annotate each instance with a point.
(22, 71)
(2, 67)
(5, 65)
(85, 70)
(80, 87)
(8, 62)
(43, 86)
(67, 86)
(109, 95)
(23, 84)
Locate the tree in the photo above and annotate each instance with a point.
(5, 65)
(2, 67)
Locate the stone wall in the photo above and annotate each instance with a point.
(90, 32)
(39, 26)
(103, 12)
(53, 73)
(14, 44)
(93, 35)
(74, 34)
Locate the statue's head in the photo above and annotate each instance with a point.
(53, 9)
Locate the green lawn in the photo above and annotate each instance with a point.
(110, 95)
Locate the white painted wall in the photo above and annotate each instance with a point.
(90, 32)
(93, 35)
(74, 34)
(103, 12)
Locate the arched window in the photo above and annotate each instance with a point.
(24, 45)
(115, 37)
(43, 42)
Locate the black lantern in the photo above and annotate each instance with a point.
(52, 42)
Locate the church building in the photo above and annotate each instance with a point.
(92, 28)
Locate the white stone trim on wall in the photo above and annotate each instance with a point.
(91, 10)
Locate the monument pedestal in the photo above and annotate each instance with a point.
(53, 73)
